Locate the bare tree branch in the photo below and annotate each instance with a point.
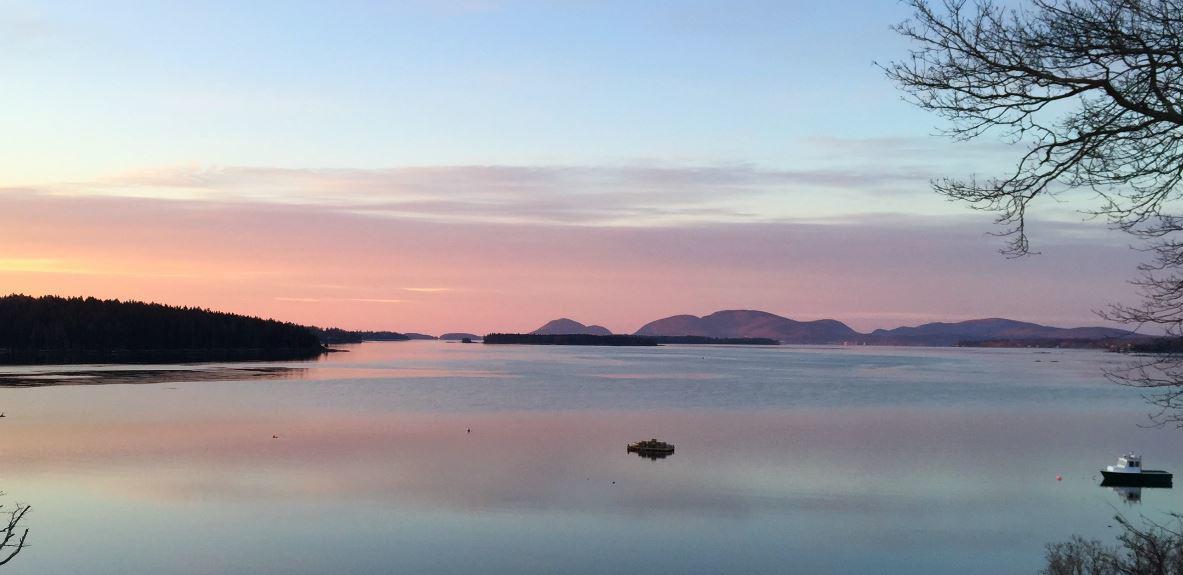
(1093, 88)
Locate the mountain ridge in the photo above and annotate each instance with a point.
(756, 323)
(566, 326)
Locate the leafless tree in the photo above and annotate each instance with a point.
(1151, 549)
(12, 533)
(1091, 92)
(1093, 88)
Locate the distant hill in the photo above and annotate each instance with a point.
(568, 339)
(459, 335)
(751, 324)
(564, 326)
(759, 324)
(703, 340)
(991, 329)
(52, 329)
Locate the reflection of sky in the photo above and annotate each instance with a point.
(369, 481)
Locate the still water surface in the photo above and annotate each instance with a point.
(789, 460)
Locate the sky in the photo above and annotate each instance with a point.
(487, 165)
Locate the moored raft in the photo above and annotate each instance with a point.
(651, 446)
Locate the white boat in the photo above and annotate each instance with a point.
(1129, 471)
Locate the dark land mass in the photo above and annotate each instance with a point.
(703, 340)
(459, 335)
(564, 326)
(992, 329)
(52, 329)
(568, 339)
(334, 335)
(1111, 344)
(1171, 345)
(413, 335)
(999, 332)
(751, 324)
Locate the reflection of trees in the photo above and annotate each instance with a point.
(1152, 550)
(13, 532)
(653, 455)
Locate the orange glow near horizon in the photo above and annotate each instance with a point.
(334, 268)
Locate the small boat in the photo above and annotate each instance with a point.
(651, 446)
(1129, 472)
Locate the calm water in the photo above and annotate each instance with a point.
(806, 460)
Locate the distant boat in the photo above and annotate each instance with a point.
(1129, 472)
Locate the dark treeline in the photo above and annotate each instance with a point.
(331, 335)
(50, 327)
(703, 340)
(1171, 345)
(1110, 343)
(568, 339)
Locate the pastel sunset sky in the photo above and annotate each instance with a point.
(481, 165)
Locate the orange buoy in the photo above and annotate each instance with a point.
(1059, 478)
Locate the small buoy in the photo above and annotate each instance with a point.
(1059, 478)
(274, 437)
(469, 430)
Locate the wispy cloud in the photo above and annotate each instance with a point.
(71, 267)
(340, 299)
(630, 195)
(328, 267)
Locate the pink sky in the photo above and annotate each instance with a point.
(364, 269)
(477, 166)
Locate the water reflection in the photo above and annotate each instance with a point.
(652, 455)
(1130, 495)
(41, 377)
(865, 461)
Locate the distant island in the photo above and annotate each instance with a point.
(568, 339)
(750, 323)
(618, 339)
(703, 340)
(423, 336)
(334, 335)
(459, 336)
(753, 327)
(51, 329)
(564, 326)
(1127, 344)
(568, 327)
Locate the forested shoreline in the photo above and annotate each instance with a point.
(52, 329)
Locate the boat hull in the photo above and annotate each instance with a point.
(1148, 478)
